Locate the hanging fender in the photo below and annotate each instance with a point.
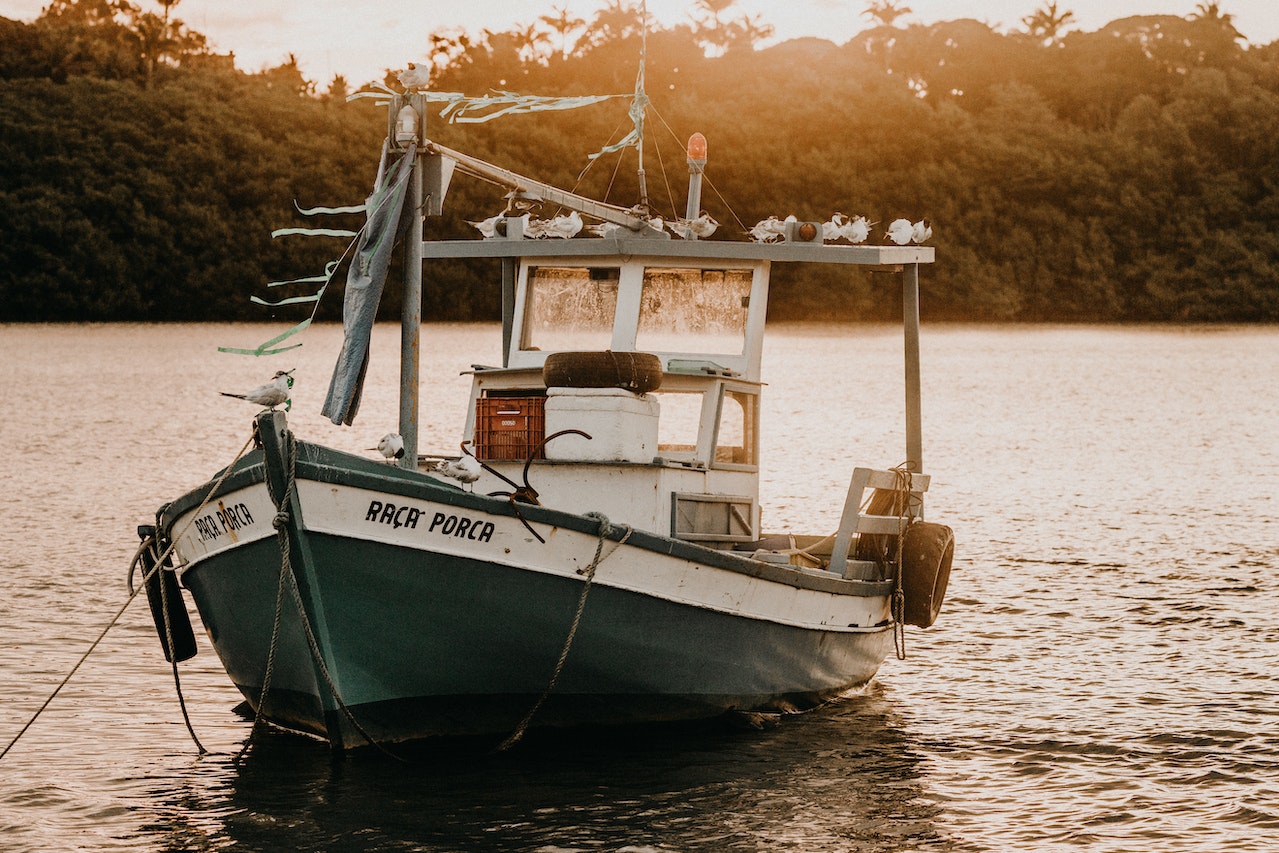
(927, 552)
(165, 597)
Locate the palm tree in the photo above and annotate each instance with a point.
(1046, 23)
(886, 12)
(562, 23)
(748, 31)
(527, 40)
(711, 30)
(1211, 12)
(617, 21)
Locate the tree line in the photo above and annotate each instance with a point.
(1125, 174)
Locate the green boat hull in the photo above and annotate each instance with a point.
(395, 642)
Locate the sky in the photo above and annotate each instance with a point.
(359, 40)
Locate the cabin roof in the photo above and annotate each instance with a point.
(635, 248)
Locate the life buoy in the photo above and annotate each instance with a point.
(639, 372)
(927, 552)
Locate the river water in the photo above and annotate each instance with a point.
(1104, 675)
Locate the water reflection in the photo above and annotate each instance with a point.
(846, 777)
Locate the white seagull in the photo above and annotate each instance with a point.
(768, 230)
(487, 227)
(391, 446)
(701, 227)
(465, 468)
(563, 227)
(856, 230)
(921, 231)
(900, 231)
(272, 394)
(603, 229)
(414, 77)
(833, 229)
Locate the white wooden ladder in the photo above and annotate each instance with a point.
(855, 521)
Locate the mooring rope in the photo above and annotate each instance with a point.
(133, 593)
(173, 653)
(281, 524)
(605, 529)
(902, 486)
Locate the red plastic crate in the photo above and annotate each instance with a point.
(510, 427)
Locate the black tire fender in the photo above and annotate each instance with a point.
(927, 552)
(638, 372)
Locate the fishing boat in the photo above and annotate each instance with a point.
(603, 559)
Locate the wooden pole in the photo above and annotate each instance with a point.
(910, 321)
(411, 320)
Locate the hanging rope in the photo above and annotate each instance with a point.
(133, 593)
(283, 504)
(902, 487)
(605, 529)
(171, 647)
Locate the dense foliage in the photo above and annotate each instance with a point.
(1126, 174)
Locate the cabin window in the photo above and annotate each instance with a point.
(570, 308)
(694, 310)
(679, 424)
(736, 439)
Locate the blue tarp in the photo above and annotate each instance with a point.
(365, 279)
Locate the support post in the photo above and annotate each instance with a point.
(411, 320)
(696, 165)
(910, 321)
(508, 308)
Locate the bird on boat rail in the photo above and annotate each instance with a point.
(271, 394)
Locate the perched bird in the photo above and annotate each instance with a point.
(414, 77)
(856, 230)
(921, 231)
(833, 229)
(701, 227)
(899, 231)
(391, 446)
(563, 227)
(603, 229)
(487, 227)
(535, 228)
(465, 469)
(768, 230)
(272, 394)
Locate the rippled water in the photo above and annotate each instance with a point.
(1104, 676)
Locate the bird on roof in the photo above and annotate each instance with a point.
(856, 230)
(271, 394)
(921, 231)
(391, 446)
(562, 227)
(768, 230)
(603, 229)
(833, 228)
(465, 469)
(899, 231)
(487, 227)
(414, 77)
(701, 227)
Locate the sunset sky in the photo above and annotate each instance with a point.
(359, 40)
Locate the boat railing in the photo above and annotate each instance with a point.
(905, 503)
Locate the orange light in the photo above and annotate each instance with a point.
(697, 147)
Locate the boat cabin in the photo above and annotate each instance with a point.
(679, 459)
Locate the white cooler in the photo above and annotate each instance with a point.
(622, 425)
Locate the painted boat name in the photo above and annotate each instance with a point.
(458, 526)
(226, 519)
